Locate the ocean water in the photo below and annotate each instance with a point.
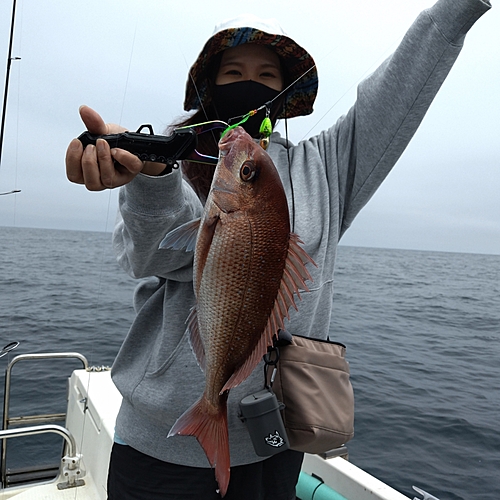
(422, 331)
(423, 337)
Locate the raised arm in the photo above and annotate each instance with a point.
(392, 102)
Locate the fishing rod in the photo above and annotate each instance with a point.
(6, 88)
(7, 78)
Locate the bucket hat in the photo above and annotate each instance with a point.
(248, 28)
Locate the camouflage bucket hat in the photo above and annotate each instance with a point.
(250, 29)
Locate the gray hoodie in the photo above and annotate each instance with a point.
(330, 178)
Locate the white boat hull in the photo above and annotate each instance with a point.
(93, 404)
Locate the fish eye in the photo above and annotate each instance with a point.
(248, 171)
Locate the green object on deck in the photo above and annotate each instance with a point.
(311, 488)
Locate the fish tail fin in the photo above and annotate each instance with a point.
(210, 429)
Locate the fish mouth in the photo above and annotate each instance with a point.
(233, 135)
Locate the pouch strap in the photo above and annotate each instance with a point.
(272, 357)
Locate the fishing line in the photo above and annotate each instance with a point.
(128, 70)
(204, 111)
(292, 192)
(355, 84)
(269, 103)
(266, 127)
(390, 48)
(104, 245)
(195, 86)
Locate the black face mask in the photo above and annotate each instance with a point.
(233, 100)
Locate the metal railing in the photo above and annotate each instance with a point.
(43, 419)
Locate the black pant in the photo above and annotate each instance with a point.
(135, 476)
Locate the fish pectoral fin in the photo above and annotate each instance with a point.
(211, 432)
(195, 338)
(182, 237)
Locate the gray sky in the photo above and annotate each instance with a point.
(129, 60)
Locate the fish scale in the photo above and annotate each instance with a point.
(236, 290)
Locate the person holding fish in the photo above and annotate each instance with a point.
(220, 250)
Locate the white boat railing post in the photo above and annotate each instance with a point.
(70, 464)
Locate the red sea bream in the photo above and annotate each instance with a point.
(247, 268)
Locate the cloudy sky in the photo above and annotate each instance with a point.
(129, 60)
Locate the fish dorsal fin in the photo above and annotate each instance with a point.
(195, 338)
(182, 237)
(294, 277)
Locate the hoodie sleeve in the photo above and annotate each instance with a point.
(392, 102)
(149, 207)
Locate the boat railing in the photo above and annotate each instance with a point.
(70, 461)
